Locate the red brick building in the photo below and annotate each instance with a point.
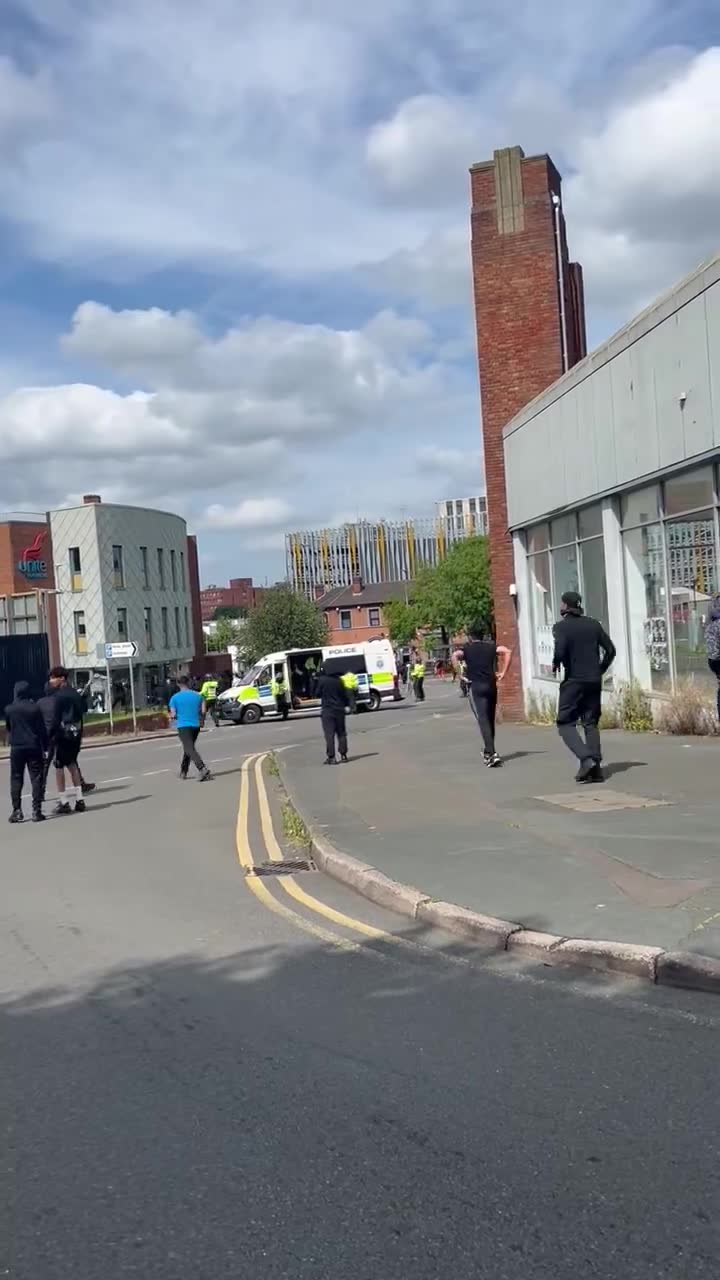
(355, 613)
(530, 323)
(240, 593)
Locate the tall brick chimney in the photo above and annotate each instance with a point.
(530, 322)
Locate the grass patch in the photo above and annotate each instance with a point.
(273, 767)
(294, 829)
(629, 708)
(541, 709)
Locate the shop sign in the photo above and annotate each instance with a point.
(31, 565)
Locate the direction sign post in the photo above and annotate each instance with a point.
(132, 692)
(109, 696)
(122, 650)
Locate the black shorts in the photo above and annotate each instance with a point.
(67, 751)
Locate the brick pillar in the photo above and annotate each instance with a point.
(516, 279)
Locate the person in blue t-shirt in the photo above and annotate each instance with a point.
(187, 710)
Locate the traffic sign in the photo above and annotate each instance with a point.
(121, 649)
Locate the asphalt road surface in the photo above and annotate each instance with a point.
(211, 1074)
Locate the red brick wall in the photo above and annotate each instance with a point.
(517, 313)
(359, 630)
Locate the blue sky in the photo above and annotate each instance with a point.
(235, 278)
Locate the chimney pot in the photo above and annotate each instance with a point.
(91, 499)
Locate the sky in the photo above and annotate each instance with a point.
(235, 281)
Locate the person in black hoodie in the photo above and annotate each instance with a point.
(334, 703)
(49, 708)
(585, 652)
(27, 737)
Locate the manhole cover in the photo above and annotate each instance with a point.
(596, 800)
(286, 868)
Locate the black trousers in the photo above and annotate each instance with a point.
(188, 738)
(419, 688)
(282, 705)
(714, 665)
(32, 759)
(580, 701)
(333, 723)
(483, 700)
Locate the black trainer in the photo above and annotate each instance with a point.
(343, 759)
(39, 817)
(61, 809)
(206, 776)
(587, 768)
(330, 760)
(87, 788)
(16, 816)
(493, 761)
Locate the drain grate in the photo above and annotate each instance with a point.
(287, 867)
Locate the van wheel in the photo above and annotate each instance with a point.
(251, 715)
(375, 701)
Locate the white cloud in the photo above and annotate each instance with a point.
(463, 466)
(251, 513)
(422, 150)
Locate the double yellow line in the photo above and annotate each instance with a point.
(252, 772)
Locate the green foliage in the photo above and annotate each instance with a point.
(401, 620)
(226, 632)
(633, 708)
(233, 611)
(456, 593)
(282, 620)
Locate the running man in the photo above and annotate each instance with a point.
(486, 665)
(585, 652)
(187, 709)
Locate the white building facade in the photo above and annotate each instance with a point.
(121, 575)
(613, 487)
(466, 516)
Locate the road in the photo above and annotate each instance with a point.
(211, 1074)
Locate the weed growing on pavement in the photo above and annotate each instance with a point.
(689, 711)
(272, 766)
(632, 708)
(540, 709)
(294, 828)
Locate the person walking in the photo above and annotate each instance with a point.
(712, 644)
(27, 738)
(584, 651)
(333, 705)
(209, 692)
(49, 709)
(187, 710)
(279, 691)
(351, 683)
(417, 676)
(485, 667)
(66, 739)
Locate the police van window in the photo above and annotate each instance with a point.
(250, 676)
(264, 677)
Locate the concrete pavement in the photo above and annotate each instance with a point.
(636, 860)
(194, 1083)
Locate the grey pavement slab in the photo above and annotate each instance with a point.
(637, 859)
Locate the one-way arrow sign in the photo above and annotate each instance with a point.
(121, 649)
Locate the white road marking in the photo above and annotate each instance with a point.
(150, 773)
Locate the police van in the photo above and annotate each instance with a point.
(373, 663)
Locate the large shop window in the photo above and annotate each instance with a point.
(671, 576)
(565, 555)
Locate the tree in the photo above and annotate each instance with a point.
(233, 611)
(283, 620)
(225, 632)
(456, 594)
(402, 621)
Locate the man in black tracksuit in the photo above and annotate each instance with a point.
(585, 652)
(334, 703)
(28, 740)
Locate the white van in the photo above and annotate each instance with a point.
(373, 663)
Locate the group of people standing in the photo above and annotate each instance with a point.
(44, 734)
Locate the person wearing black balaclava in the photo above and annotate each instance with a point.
(585, 651)
(27, 738)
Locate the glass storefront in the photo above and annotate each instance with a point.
(670, 545)
(566, 554)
